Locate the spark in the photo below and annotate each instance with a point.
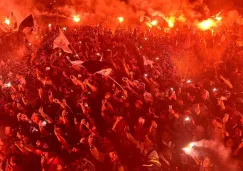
(76, 18)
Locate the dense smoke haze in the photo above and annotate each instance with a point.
(132, 10)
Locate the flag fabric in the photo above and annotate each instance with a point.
(27, 22)
(62, 42)
(147, 62)
(77, 63)
(93, 66)
(104, 72)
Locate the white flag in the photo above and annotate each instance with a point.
(147, 62)
(77, 63)
(62, 42)
(105, 72)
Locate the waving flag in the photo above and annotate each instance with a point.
(62, 42)
(147, 62)
(104, 72)
(27, 22)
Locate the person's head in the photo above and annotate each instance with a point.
(237, 132)
(207, 162)
(141, 120)
(229, 142)
(113, 156)
(25, 139)
(165, 136)
(8, 130)
(46, 151)
(204, 94)
(35, 118)
(38, 144)
(107, 95)
(138, 104)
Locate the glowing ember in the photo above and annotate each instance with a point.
(170, 21)
(7, 21)
(120, 19)
(154, 22)
(207, 24)
(76, 18)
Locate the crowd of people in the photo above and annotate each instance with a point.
(60, 116)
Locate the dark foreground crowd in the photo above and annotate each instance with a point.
(58, 116)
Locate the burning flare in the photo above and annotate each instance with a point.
(76, 18)
(170, 21)
(188, 149)
(120, 19)
(207, 24)
(154, 22)
(7, 21)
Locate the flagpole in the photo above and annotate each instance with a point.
(74, 51)
(116, 82)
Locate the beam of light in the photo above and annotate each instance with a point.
(7, 21)
(76, 18)
(120, 19)
(170, 21)
(207, 24)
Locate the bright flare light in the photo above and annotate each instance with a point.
(170, 21)
(188, 149)
(207, 24)
(7, 21)
(120, 19)
(154, 22)
(76, 18)
(187, 119)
